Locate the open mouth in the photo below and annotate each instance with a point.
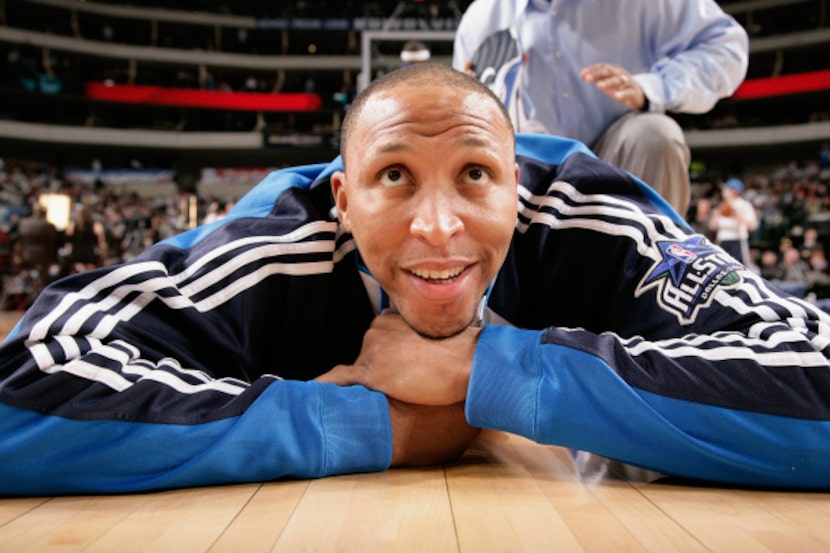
(444, 276)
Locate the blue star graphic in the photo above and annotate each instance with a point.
(676, 258)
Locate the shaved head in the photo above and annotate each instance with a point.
(416, 75)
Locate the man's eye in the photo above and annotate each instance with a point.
(477, 175)
(393, 177)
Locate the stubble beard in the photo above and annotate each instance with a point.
(437, 334)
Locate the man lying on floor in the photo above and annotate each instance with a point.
(440, 277)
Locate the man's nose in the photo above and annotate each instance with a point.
(436, 218)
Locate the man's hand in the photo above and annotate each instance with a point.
(428, 435)
(408, 367)
(616, 82)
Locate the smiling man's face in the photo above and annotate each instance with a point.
(429, 194)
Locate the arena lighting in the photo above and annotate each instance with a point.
(797, 83)
(58, 209)
(209, 99)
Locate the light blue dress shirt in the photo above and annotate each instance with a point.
(684, 54)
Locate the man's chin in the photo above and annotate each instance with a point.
(441, 331)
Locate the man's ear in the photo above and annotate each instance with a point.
(341, 198)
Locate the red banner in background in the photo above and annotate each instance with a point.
(208, 99)
(264, 101)
(797, 83)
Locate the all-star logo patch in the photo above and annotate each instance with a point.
(687, 276)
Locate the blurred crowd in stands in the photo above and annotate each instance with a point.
(791, 243)
(56, 73)
(102, 226)
(790, 246)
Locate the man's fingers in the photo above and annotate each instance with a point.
(608, 77)
(616, 82)
(342, 375)
(600, 72)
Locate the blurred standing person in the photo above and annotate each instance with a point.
(702, 215)
(88, 240)
(733, 220)
(606, 72)
(114, 231)
(37, 240)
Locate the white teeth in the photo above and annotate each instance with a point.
(438, 275)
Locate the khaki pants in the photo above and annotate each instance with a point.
(651, 146)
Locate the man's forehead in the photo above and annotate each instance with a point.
(381, 106)
(427, 92)
(430, 103)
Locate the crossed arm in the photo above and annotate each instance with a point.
(557, 392)
(426, 382)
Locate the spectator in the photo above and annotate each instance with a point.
(87, 241)
(215, 212)
(606, 72)
(770, 267)
(161, 227)
(818, 275)
(6, 256)
(794, 277)
(810, 243)
(37, 239)
(414, 51)
(824, 157)
(702, 213)
(733, 220)
(38, 250)
(114, 229)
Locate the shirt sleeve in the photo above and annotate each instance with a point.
(727, 407)
(702, 56)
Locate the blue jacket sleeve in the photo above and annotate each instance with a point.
(293, 429)
(573, 388)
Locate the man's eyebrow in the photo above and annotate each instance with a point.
(394, 146)
(476, 142)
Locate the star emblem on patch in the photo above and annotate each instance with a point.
(687, 275)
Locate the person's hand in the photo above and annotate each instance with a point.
(726, 209)
(428, 435)
(408, 367)
(616, 82)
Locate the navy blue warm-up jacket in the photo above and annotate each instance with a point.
(612, 328)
